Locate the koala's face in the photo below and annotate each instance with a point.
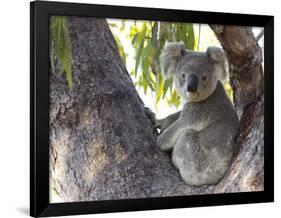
(195, 78)
(195, 74)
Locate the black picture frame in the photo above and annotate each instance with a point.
(39, 108)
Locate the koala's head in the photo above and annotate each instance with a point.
(195, 74)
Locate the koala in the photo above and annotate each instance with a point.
(201, 134)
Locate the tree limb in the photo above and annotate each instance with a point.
(245, 63)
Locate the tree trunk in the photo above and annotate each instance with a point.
(245, 63)
(102, 145)
(247, 80)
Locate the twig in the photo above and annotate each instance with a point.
(199, 34)
(260, 35)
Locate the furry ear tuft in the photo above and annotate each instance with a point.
(217, 55)
(170, 55)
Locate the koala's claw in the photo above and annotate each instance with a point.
(159, 126)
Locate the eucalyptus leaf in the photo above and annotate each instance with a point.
(62, 46)
(148, 39)
(138, 56)
(135, 38)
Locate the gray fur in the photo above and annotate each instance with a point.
(170, 56)
(201, 135)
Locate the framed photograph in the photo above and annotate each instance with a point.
(142, 109)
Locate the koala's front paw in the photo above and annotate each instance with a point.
(163, 143)
(151, 115)
(160, 125)
(160, 141)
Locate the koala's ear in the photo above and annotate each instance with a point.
(170, 55)
(217, 56)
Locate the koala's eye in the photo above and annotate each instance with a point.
(204, 78)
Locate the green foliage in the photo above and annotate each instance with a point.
(60, 42)
(148, 41)
(229, 90)
(120, 47)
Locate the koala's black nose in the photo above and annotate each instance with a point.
(192, 83)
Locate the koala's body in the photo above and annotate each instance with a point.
(201, 135)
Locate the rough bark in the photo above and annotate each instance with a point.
(245, 63)
(247, 80)
(102, 145)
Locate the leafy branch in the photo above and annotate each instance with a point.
(61, 47)
(148, 41)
